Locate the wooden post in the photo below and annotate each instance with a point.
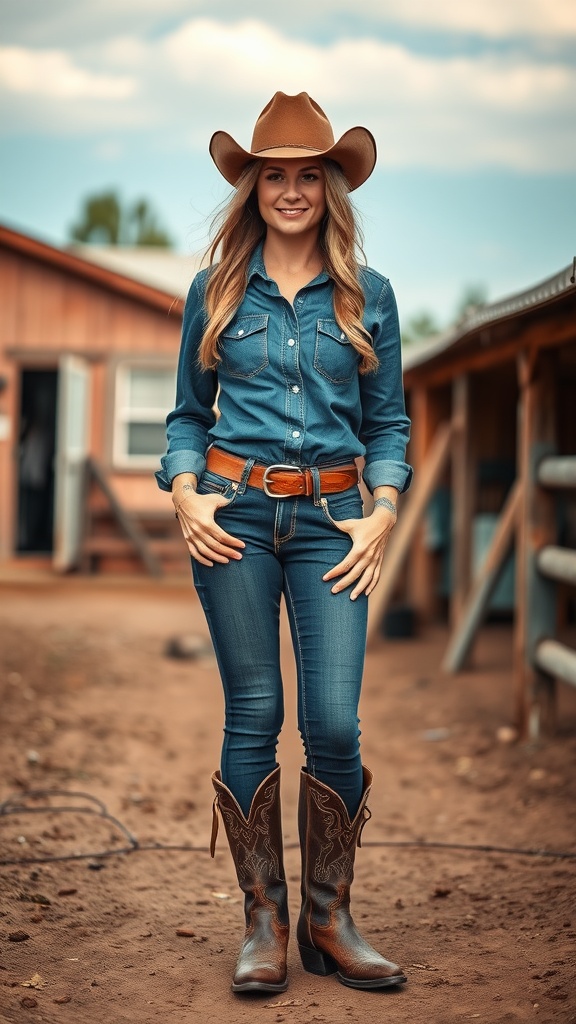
(463, 497)
(535, 595)
(426, 413)
(408, 522)
(474, 608)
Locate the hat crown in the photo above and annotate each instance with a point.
(292, 121)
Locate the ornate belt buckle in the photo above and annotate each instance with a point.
(278, 466)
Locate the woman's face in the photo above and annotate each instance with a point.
(292, 195)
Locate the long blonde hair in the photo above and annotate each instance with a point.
(238, 230)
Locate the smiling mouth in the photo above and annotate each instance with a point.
(290, 212)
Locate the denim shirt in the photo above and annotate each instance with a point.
(290, 391)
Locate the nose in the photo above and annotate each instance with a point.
(291, 192)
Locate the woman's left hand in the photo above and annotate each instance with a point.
(363, 562)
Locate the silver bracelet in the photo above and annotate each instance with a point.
(386, 503)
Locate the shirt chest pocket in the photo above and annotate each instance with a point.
(244, 346)
(334, 357)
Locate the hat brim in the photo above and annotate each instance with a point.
(355, 152)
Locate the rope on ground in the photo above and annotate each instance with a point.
(10, 806)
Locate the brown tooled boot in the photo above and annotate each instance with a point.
(256, 848)
(328, 939)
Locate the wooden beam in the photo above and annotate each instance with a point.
(410, 517)
(427, 410)
(535, 693)
(463, 496)
(478, 599)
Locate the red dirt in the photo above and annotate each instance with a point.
(91, 703)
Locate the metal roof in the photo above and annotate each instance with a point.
(538, 295)
(170, 271)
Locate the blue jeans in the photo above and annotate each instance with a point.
(290, 544)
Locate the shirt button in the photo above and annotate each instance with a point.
(240, 333)
(342, 337)
(295, 389)
(291, 342)
(295, 433)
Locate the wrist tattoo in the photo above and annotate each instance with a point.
(188, 487)
(386, 503)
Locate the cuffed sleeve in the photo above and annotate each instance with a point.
(387, 473)
(179, 462)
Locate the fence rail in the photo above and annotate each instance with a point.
(557, 471)
(557, 660)
(557, 564)
(554, 660)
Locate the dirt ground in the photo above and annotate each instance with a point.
(92, 704)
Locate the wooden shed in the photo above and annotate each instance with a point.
(87, 373)
(493, 407)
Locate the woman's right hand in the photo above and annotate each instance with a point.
(207, 542)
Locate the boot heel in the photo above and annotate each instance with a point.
(316, 962)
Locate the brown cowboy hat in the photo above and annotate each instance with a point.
(295, 126)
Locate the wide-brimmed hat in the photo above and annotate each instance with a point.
(295, 126)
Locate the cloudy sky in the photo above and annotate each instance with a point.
(472, 106)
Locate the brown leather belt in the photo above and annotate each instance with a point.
(279, 480)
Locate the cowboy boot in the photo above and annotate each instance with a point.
(256, 848)
(328, 939)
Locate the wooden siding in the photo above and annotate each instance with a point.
(45, 312)
(53, 302)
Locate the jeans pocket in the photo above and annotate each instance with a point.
(213, 483)
(344, 505)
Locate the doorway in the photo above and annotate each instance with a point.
(36, 461)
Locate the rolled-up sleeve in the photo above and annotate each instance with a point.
(188, 424)
(385, 425)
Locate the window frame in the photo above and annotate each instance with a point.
(124, 414)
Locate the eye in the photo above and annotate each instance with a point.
(310, 176)
(274, 176)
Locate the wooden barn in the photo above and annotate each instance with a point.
(489, 525)
(87, 372)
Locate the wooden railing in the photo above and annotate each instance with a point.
(558, 564)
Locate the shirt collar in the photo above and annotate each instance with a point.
(256, 264)
(256, 268)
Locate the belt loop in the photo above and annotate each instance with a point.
(248, 466)
(316, 484)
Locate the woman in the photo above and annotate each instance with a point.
(303, 345)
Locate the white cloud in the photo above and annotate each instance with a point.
(491, 18)
(463, 111)
(65, 21)
(52, 73)
(244, 58)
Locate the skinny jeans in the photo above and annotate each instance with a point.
(290, 544)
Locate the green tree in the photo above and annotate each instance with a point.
(105, 219)
(474, 296)
(419, 327)
(424, 325)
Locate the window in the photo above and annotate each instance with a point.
(144, 396)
